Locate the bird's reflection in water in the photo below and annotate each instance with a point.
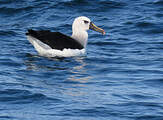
(80, 77)
(39, 63)
(72, 71)
(79, 72)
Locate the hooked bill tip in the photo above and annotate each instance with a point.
(103, 33)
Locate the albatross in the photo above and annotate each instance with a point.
(56, 44)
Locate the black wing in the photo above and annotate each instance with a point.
(55, 40)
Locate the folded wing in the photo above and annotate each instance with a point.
(55, 40)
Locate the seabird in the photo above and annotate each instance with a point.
(56, 44)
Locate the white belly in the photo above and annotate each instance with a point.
(47, 51)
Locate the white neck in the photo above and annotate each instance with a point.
(80, 36)
(79, 30)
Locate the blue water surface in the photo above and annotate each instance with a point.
(120, 78)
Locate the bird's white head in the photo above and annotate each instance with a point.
(79, 29)
(81, 23)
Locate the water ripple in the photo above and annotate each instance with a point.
(119, 78)
(17, 96)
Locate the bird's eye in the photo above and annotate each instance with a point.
(86, 22)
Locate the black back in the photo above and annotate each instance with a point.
(55, 40)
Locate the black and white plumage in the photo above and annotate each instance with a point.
(55, 40)
(52, 44)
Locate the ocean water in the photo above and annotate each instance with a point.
(120, 78)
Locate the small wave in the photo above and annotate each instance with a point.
(6, 117)
(156, 30)
(9, 62)
(104, 43)
(18, 96)
(144, 24)
(104, 6)
(155, 82)
(91, 6)
(154, 2)
(141, 96)
(94, 111)
(159, 15)
(149, 117)
(158, 2)
(15, 7)
(8, 1)
(114, 4)
(7, 33)
(71, 4)
(9, 10)
(148, 27)
(75, 2)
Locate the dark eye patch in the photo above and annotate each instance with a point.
(86, 22)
